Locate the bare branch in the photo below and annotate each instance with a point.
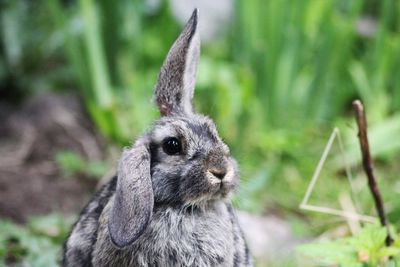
(369, 166)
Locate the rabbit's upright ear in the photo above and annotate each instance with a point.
(133, 203)
(176, 81)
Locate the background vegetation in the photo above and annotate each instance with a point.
(276, 80)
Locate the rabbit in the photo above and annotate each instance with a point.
(168, 205)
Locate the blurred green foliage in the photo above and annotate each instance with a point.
(37, 244)
(72, 164)
(365, 249)
(276, 83)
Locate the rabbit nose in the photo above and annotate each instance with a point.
(219, 173)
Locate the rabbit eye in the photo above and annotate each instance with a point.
(171, 146)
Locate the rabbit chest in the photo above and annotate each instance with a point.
(174, 237)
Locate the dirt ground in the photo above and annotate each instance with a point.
(31, 134)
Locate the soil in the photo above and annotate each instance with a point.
(30, 137)
(28, 193)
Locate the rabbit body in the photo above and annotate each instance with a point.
(168, 204)
(206, 236)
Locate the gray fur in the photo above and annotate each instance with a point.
(166, 210)
(176, 81)
(133, 203)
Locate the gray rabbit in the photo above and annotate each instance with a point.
(168, 204)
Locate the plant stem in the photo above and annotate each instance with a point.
(369, 166)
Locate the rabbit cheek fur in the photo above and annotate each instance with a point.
(167, 206)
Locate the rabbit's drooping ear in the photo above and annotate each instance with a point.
(133, 203)
(176, 81)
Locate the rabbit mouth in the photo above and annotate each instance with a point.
(224, 191)
(215, 192)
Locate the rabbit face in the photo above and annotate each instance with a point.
(190, 164)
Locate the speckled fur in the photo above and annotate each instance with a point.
(160, 209)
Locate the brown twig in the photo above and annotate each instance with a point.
(369, 166)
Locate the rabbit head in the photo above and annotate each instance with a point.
(182, 161)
